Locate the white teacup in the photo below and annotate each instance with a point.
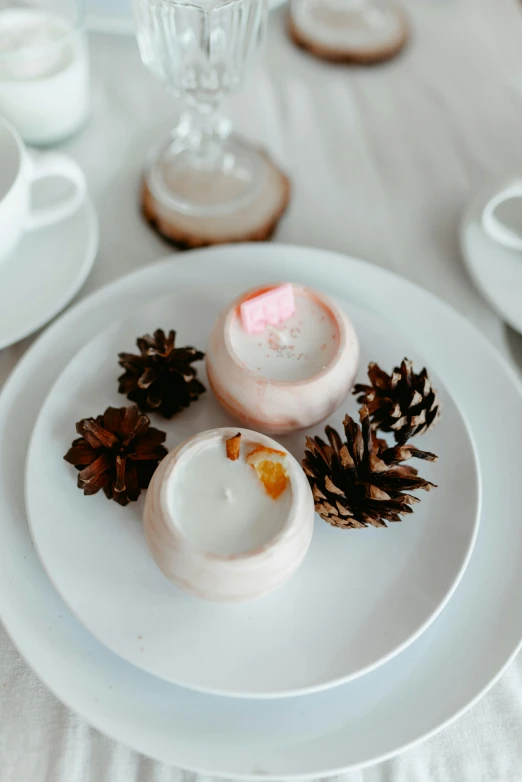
(502, 216)
(18, 171)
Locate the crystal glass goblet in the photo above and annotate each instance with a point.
(201, 51)
(356, 26)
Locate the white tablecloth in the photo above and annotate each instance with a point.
(383, 163)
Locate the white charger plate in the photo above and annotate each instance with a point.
(366, 721)
(359, 598)
(45, 271)
(496, 270)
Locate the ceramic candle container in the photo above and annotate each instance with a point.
(286, 376)
(44, 74)
(214, 528)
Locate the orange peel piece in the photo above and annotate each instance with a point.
(233, 446)
(270, 468)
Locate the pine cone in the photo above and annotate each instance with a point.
(117, 452)
(405, 403)
(161, 379)
(361, 481)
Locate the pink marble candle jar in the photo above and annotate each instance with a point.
(289, 376)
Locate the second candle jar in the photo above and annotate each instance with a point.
(290, 375)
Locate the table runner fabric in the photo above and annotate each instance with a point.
(42, 741)
(383, 161)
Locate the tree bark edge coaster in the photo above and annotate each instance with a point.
(254, 222)
(308, 37)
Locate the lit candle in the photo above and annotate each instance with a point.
(289, 375)
(44, 75)
(225, 528)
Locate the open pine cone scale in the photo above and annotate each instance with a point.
(361, 482)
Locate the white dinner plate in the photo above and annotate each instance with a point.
(496, 270)
(47, 268)
(365, 721)
(360, 596)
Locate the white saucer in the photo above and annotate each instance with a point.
(360, 597)
(496, 270)
(347, 727)
(46, 270)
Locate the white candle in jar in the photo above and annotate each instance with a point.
(44, 75)
(226, 529)
(228, 511)
(289, 375)
(300, 347)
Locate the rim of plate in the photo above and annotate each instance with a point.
(115, 731)
(91, 250)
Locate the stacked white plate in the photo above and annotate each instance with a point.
(380, 639)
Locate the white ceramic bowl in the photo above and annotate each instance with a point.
(227, 578)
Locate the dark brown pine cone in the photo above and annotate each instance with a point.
(361, 481)
(117, 452)
(161, 379)
(403, 403)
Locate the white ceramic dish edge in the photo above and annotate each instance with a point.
(473, 212)
(90, 257)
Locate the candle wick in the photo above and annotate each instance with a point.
(229, 495)
(279, 334)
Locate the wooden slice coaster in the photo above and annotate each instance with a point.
(339, 35)
(254, 222)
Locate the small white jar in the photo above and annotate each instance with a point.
(44, 72)
(214, 531)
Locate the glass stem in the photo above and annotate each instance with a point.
(203, 131)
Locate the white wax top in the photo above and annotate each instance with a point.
(221, 505)
(33, 44)
(296, 349)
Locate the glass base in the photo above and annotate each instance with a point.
(223, 177)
